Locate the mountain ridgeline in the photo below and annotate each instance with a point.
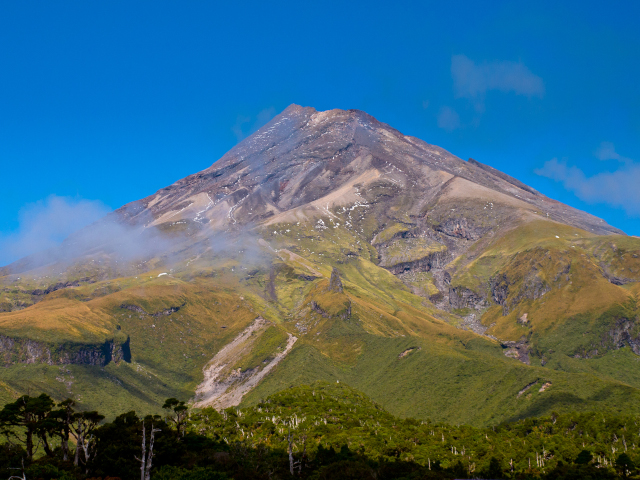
(328, 246)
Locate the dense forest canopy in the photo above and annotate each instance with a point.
(320, 431)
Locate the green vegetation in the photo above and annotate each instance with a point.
(462, 304)
(404, 250)
(473, 384)
(421, 282)
(552, 277)
(271, 342)
(389, 233)
(356, 336)
(318, 431)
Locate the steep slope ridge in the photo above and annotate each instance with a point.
(459, 285)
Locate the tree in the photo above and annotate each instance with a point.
(33, 416)
(146, 460)
(584, 457)
(118, 443)
(295, 423)
(290, 449)
(21, 477)
(82, 428)
(66, 416)
(177, 414)
(494, 470)
(459, 470)
(624, 464)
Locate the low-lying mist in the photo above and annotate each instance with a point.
(113, 247)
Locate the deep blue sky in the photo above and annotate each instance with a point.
(102, 103)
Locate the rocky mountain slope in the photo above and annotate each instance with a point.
(438, 286)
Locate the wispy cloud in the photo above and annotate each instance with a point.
(473, 81)
(607, 151)
(618, 188)
(246, 125)
(448, 119)
(47, 223)
(61, 229)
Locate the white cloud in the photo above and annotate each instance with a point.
(607, 151)
(46, 223)
(448, 119)
(618, 188)
(471, 80)
(61, 229)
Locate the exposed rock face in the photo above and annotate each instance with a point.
(461, 228)
(500, 291)
(621, 332)
(531, 286)
(423, 264)
(343, 313)
(625, 333)
(165, 312)
(518, 350)
(20, 299)
(616, 280)
(503, 176)
(321, 152)
(22, 350)
(346, 314)
(335, 284)
(462, 297)
(270, 288)
(318, 309)
(59, 286)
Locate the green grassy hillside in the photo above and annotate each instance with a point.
(551, 287)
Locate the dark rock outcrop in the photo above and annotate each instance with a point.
(133, 308)
(270, 287)
(615, 279)
(307, 278)
(518, 350)
(335, 284)
(462, 297)
(343, 313)
(624, 333)
(346, 314)
(461, 228)
(165, 312)
(24, 350)
(532, 287)
(424, 264)
(59, 286)
(500, 291)
(316, 308)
